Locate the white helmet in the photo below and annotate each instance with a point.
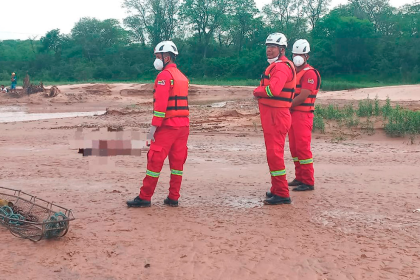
(301, 46)
(166, 46)
(276, 39)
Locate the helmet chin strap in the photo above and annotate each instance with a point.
(305, 60)
(163, 60)
(280, 52)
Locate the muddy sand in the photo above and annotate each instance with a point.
(357, 224)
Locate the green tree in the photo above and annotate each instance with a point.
(51, 42)
(343, 44)
(94, 37)
(315, 9)
(287, 17)
(376, 11)
(244, 22)
(151, 20)
(205, 17)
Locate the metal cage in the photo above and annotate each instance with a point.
(33, 218)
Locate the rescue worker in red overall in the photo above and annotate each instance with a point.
(275, 95)
(303, 105)
(170, 127)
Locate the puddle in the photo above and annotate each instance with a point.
(17, 114)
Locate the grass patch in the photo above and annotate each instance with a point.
(352, 122)
(367, 127)
(402, 122)
(398, 122)
(319, 123)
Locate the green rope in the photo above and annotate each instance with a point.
(54, 225)
(57, 228)
(6, 212)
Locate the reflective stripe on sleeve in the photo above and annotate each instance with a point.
(159, 114)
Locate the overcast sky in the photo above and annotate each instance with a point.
(21, 19)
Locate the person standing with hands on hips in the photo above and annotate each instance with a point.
(303, 107)
(170, 127)
(275, 95)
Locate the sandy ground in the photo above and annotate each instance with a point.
(357, 224)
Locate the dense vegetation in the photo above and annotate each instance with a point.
(364, 41)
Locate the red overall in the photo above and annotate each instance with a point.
(170, 115)
(300, 133)
(275, 95)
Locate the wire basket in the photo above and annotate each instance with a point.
(29, 217)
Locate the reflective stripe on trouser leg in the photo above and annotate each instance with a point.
(306, 161)
(278, 173)
(276, 124)
(176, 172)
(152, 174)
(302, 125)
(293, 152)
(177, 158)
(150, 180)
(164, 138)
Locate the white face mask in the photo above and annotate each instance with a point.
(298, 61)
(272, 60)
(158, 64)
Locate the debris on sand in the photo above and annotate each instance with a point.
(54, 91)
(123, 111)
(32, 88)
(116, 128)
(35, 88)
(115, 112)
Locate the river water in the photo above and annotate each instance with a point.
(18, 114)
